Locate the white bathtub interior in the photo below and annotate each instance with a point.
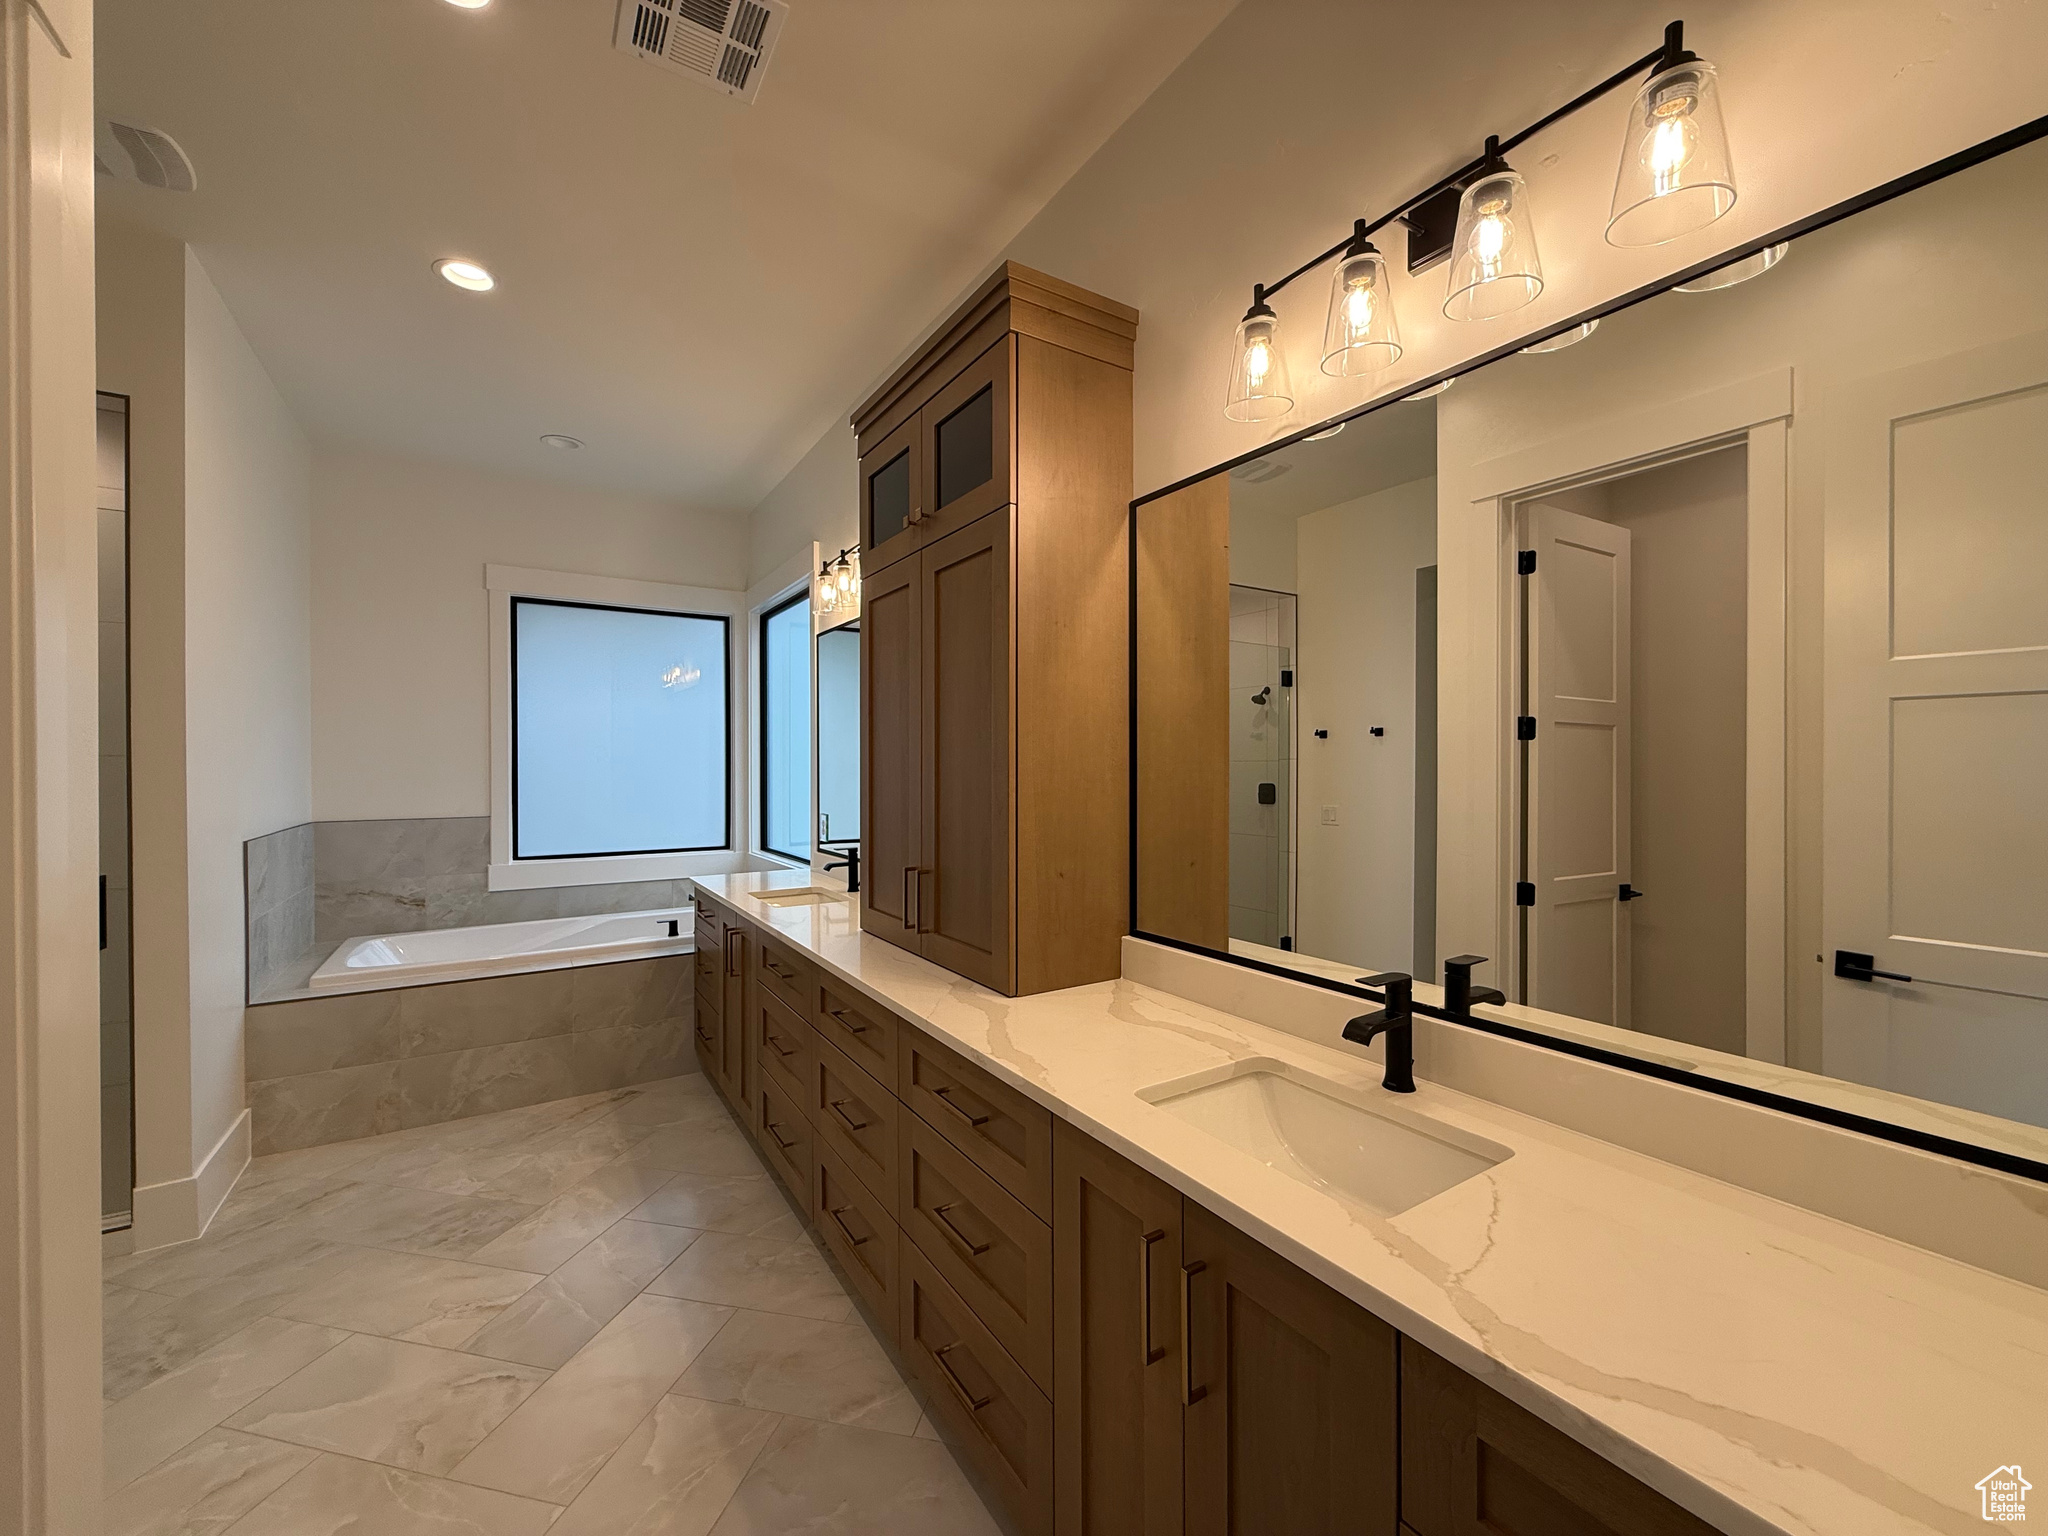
(499, 947)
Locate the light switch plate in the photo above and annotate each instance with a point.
(1329, 815)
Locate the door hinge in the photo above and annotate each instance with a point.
(1525, 893)
(1525, 727)
(1525, 562)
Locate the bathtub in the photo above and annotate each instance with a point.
(496, 948)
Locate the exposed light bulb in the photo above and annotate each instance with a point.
(1490, 239)
(1358, 307)
(1669, 150)
(1675, 174)
(1259, 387)
(1258, 360)
(1360, 334)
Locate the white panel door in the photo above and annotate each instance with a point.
(1935, 816)
(1578, 773)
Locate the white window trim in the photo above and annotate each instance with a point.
(505, 582)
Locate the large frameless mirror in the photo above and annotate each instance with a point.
(1689, 681)
(839, 740)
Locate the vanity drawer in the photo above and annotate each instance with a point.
(783, 1043)
(857, 1227)
(709, 967)
(1008, 1137)
(857, 1117)
(784, 1137)
(996, 1255)
(779, 970)
(992, 1413)
(868, 1033)
(704, 1037)
(710, 935)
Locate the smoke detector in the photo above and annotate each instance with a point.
(134, 153)
(723, 43)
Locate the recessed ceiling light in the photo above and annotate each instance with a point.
(470, 5)
(561, 440)
(466, 274)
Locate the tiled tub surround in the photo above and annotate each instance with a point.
(326, 1069)
(586, 1318)
(314, 885)
(1771, 1369)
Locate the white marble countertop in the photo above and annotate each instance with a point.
(1770, 1369)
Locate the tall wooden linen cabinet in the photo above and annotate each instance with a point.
(995, 482)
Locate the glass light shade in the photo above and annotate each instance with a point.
(826, 595)
(1563, 339)
(1361, 335)
(1737, 271)
(1675, 174)
(1259, 386)
(1432, 392)
(1495, 268)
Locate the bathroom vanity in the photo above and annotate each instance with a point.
(1119, 1239)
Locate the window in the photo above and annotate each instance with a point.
(786, 728)
(619, 730)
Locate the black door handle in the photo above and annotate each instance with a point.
(1630, 893)
(1851, 966)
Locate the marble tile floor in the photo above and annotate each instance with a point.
(598, 1315)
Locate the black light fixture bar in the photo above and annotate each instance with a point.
(1666, 55)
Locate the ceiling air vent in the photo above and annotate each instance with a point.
(724, 43)
(1257, 471)
(142, 154)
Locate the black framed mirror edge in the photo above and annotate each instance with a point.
(1761, 1098)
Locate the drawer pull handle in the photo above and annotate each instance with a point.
(1150, 1355)
(973, 1249)
(974, 1404)
(838, 1215)
(839, 1109)
(702, 1035)
(945, 1097)
(778, 970)
(1190, 1394)
(775, 1133)
(775, 1043)
(840, 1015)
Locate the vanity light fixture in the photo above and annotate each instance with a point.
(1738, 271)
(1563, 339)
(1676, 176)
(838, 587)
(1259, 386)
(1360, 335)
(1430, 393)
(466, 274)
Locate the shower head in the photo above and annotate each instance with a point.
(1263, 694)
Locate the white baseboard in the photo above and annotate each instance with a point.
(178, 1210)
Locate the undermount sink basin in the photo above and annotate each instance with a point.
(1382, 1158)
(808, 896)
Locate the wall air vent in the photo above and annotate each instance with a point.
(724, 43)
(134, 153)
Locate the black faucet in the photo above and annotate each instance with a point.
(851, 864)
(1397, 1022)
(1459, 993)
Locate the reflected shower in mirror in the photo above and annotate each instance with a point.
(1694, 674)
(839, 739)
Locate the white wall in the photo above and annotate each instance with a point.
(401, 699)
(248, 662)
(818, 500)
(1357, 579)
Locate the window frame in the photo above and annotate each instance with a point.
(800, 597)
(503, 583)
(724, 623)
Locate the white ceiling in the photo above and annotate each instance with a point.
(696, 287)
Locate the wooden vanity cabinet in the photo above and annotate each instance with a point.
(1290, 1392)
(994, 736)
(1475, 1464)
(721, 1025)
(1116, 1242)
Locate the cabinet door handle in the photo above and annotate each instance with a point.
(732, 964)
(1190, 1394)
(972, 1249)
(910, 897)
(1148, 1354)
(974, 1404)
(838, 1107)
(977, 1121)
(838, 1215)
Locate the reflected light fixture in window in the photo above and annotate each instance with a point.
(685, 676)
(1259, 386)
(466, 274)
(1675, 174)
(1563, 339)
(1360, 335)
(1738, 271)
